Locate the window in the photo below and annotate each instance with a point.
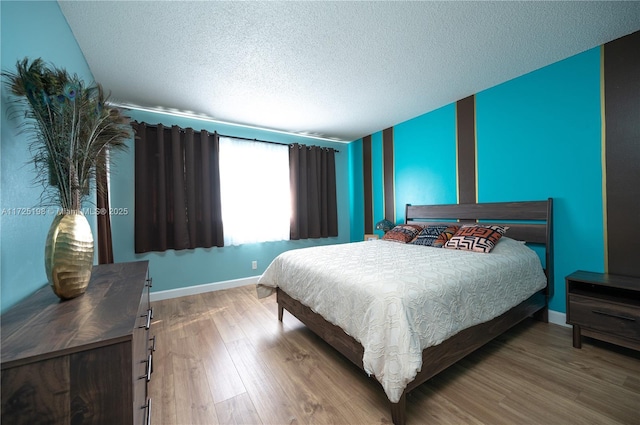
(254, 190)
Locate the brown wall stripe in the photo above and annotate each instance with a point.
(622, 144)
(368, 186)
(389, 194)
(466, 130)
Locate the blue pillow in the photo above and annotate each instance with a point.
(429, 234)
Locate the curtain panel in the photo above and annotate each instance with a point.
(105, 244)
(177, 184)
(312, 174)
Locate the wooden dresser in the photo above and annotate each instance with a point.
(85, 360)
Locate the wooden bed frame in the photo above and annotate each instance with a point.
(531, 221)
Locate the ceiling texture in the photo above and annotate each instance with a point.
(335, 70)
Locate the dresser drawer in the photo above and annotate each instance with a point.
(601, 315)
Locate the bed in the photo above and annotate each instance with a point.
(398, 337)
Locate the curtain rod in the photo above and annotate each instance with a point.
(261, 141)
(235, 137)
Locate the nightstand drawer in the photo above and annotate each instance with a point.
(597, 314)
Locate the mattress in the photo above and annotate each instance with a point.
(397, 299)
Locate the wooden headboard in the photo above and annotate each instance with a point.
(529, 221)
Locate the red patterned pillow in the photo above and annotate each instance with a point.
(478, 238)
(403, 233)
(445, 236)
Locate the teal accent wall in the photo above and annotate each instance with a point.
(425, 160)
(28, 29)
(179, 269)
(539, 136)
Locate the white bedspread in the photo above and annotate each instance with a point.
(397, 299)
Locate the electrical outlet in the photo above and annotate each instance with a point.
(254, 265)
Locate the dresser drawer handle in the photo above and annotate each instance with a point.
(149, 284)
(149, 367)
(149, 360)
(619, 316)
(148, 408)
(153, 345)
(147, 325)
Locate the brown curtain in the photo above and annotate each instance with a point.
(312, 172)
(105, 245)
(177, 184)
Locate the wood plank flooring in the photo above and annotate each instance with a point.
(223, 358)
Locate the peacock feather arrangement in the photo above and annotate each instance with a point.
(72, 126)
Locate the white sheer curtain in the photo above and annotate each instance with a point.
(254, 191)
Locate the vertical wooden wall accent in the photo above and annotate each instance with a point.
(368, 184)
(622, 145)
(389, 193)
(466, 130)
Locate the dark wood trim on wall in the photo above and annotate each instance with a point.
(389, 191)
(466, 131)
(622, 153)
(368, 184)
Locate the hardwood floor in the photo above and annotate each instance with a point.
(223, 358)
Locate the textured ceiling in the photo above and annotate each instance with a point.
(337, 70)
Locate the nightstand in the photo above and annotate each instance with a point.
(605, 307)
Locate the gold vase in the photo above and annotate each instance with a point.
(68, 254)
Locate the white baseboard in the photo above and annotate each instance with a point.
(558, 318)
(200, 289)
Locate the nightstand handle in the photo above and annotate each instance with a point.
(619, 316)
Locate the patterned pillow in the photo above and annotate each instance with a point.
(445, 236)
(403, 233)
(478, 238)
(429, 234)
